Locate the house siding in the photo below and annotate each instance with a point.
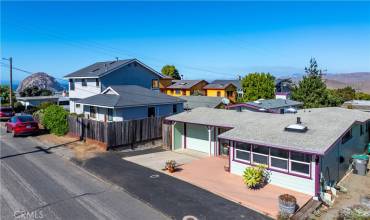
(81, 92)
(132, 113)
(331, 167)
(130, 75)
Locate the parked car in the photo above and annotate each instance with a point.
(22, 124)
(6, 113)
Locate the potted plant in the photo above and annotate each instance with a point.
(255, 177)
(171, 166)
(287, 204)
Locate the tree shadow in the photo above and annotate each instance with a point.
(39, 149)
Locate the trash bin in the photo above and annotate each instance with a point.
(360, 163)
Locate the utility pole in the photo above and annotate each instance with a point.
(11, 82)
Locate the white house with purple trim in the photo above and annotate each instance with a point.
(299, 149)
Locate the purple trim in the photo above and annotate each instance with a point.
(184, 135)
(273, 146)
(272, 169)
(317, 176)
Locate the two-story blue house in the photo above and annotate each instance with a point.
(93, 80)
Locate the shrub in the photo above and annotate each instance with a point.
(30, 110)
(255, 177)
(55, 120)
(39, 116)
(44, 105)
(19, 107)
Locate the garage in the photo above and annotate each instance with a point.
(197, 138)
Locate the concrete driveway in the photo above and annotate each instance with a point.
(157, 160)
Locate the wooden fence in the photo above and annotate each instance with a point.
(167, 135)
(115, 134)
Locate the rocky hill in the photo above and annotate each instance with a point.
(41, 80)
(359, 81)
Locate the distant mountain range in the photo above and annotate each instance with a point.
(360, 81)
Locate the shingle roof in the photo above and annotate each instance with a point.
(273, 103)
(130, 96)
(237, 83)
(184, 84)
(201, 101)
(325, 126)
(217, 86)
(101, 68)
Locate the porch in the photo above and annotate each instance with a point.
(209, 173)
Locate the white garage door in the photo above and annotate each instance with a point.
(197, 137)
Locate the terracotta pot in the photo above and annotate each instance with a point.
(171, 169)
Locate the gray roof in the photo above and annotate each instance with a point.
(99, 69)
(201, 101)
(130, 96)
(29, 98)
(273, 103)
(325, 126)
(237, 83)
(217, 86)
(183, 84)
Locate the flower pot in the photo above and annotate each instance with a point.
(287, 204)
(171, 169)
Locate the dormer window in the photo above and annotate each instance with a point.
(83, 82)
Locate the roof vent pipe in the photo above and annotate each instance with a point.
(299, 120)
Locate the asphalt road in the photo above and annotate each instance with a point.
(37, 184)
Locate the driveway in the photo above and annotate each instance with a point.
(157, 160)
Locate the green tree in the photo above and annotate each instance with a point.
(346, 93)
(35, 91)
(258, 86)
(171, 71)
(362, 96)
(55, 120)
(312, 91)
(4, 94)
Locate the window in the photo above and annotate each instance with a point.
(110, 114)
(151, 112)
(155, 84)
(347, 136)
(71, 84)
(177, 92)
(279, 159)
(218, 93)
(229, 93)
(83, 82)
(361, 130)
(260, 155)
(300, 163)
(367, 126)
(242, 151)
(97, 82)
(93, 111)
(174, 108)
(77, 105)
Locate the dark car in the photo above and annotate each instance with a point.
(22, 124)
(6, 113)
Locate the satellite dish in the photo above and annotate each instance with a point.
(225, 101)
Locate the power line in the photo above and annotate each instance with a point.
(102, 48)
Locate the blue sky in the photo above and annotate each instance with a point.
(204, 40)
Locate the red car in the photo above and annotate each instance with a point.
(22, 124)
(6, 113)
